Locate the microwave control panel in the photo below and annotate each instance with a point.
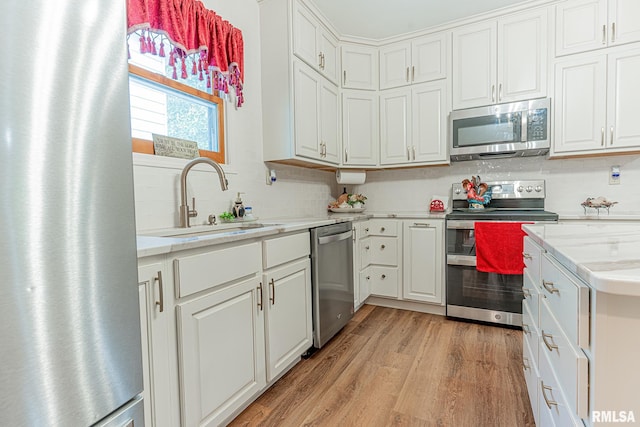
(537, 125)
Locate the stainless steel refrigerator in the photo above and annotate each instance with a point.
(69, 322)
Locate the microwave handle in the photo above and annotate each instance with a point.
(524, 126)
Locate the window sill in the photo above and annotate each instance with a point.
(164, 162)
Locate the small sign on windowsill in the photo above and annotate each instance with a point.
(175, 147)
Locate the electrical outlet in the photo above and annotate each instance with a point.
(614, 175)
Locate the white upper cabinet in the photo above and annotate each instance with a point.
(360, 136)
(314, 44)
(499, 61)
(596, 103)
(359, 66)
(413, 125)
(420, 60)
(583, 25)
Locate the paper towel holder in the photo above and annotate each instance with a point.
(351, 176)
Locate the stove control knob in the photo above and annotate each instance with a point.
(538, 188)
(457, 191)
(529, 189)
(520, 189)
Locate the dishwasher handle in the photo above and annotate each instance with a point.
(334, 238)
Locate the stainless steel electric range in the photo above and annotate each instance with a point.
(489, 296)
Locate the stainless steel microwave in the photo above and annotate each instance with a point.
(517, 129)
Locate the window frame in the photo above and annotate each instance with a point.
(145, 146)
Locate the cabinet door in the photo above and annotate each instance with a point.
(365, 284)
(429, 58)
(522, 56)
(360, 133)
(474, 65)
(395, 65)
(306, 117)
(287, 298)
(384, 281)
(395, 126)
(359, 67)
(329, 60)
(581, 25)
(306, 29)
(423, 261)
(429, 122)
(623, 94)
(580, 104)
(222, 352)
(158, 344)
(623, 21)
(329, 122)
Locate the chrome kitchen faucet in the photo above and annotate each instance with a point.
(185, 211)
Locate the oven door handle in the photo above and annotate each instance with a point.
(464, 260)
(460, 225)
(334, 238)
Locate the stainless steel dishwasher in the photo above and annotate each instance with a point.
(331, 280)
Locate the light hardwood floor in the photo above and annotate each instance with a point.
(401, 368)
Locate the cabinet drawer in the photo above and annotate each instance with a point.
(381, 227)
(530, 332)
(552, 404)
(532, 298)
(568, 300)
(195, 273)
(569, 363)
(383, 250)
(531, 254)
(279, 250)
(384, 281)
(531, 376)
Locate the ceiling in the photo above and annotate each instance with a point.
(380, 19)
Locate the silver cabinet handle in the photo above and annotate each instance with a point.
(272, 291)
(320, 60)
(549, 286)
(158, 279)
(384, 276)
(323, 60)
(604, 34)
(413, 150)
(382, 229)
(366, 230)
(525, 364)
(346, 156)
(344, 77)
(546, 399)
(613, 32)
(422, 224)
(526, 329)
(611, 136)
(500, 92)
(413, 73)
(525, 255)
(366, 247)
(602, 137)
(526, 292)
(551, 346)
(407, 76)
(408, 154)
(368, 277)
(382, 246)
(259, 288)
(493, 93)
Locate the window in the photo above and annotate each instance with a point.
(184, 108)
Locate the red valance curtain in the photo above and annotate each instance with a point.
(195, 32)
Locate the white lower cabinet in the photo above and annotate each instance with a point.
(287, 302)
(422, 260)
(159, 358)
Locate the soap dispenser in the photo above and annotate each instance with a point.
(238, 207)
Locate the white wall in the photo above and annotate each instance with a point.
(298, 192)
(569, 182)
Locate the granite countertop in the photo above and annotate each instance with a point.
(606, 256)
(152, 243)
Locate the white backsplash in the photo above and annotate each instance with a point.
(569, 182)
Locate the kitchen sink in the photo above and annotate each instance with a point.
(231, 228)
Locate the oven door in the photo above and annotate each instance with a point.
(472, 294)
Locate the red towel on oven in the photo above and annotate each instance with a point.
(499, 247)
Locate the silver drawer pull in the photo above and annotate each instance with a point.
(526, 255)
(551, 346)
(544, 394)
(549, 286)
(422, 224)
(526, 292)
(525, 364)
(526, 329)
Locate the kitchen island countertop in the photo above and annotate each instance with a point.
(606, 256)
